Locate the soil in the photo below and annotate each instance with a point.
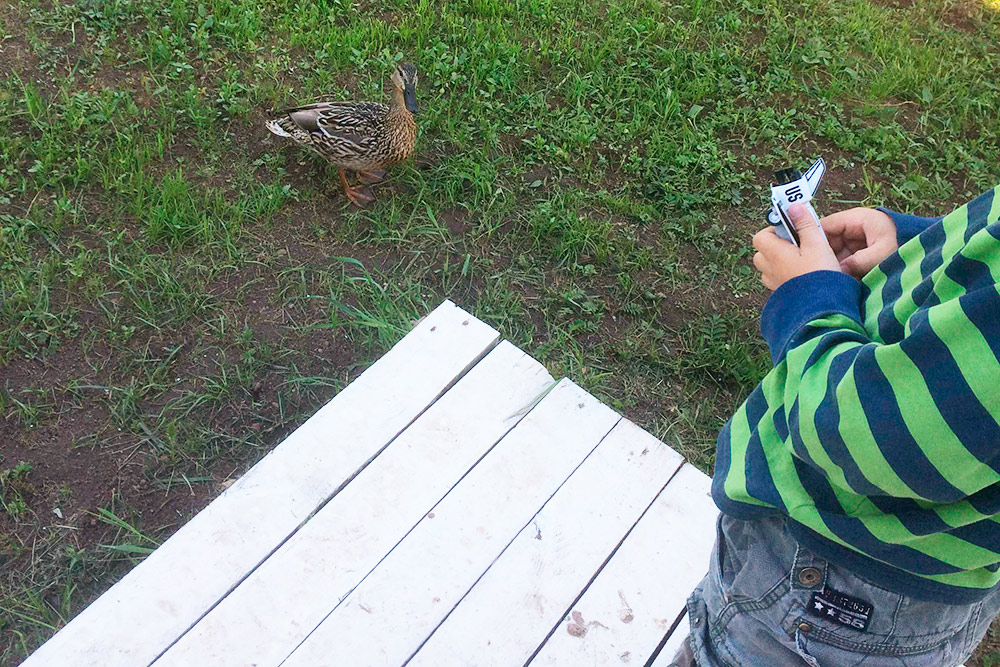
(81, 462)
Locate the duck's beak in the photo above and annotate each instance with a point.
(410, 99)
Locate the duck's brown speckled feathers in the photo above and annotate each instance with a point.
(358, 136)
(348, 134)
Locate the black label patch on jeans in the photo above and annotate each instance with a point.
(839, 608)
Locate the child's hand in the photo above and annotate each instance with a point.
(861, 238)
(779, 261)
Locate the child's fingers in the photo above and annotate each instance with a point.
(759, 262)
(842, 223)
(805, 225)
(767, 241)
(763, 266)
(863, 261)
(845, 230)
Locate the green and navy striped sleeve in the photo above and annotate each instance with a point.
(917, 418)
(908, 225)
(878, 430)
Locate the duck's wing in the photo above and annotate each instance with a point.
(340, 118)
(338, 129)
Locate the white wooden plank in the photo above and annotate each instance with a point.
(641, 592)
(669, 650)
(162, 597)
(529, 588)
(284, 599)
(387, 617)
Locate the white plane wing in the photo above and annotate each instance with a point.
(814, 176)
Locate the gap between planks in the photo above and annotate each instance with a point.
(387, 618)
(555, 556)
(287, 596)
(186, 576)
(636, 599)
(664, 656)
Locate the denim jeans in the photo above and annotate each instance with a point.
(750, 610)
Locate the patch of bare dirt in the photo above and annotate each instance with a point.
(15, 54)
(963, 15)
(456, 220)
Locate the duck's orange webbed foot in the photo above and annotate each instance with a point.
(359, 195)
(370, 176)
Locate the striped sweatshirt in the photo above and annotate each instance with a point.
(877, 432)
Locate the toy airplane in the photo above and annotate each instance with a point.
(793, 187)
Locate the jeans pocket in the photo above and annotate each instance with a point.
(757, 557)
(833, 649)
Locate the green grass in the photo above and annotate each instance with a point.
(178, 289)
(15, 489)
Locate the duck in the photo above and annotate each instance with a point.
(363, 137)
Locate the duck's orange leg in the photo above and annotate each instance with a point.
(372, 175)
(359, 196)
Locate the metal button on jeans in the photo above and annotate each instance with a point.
(805, 627)
(809, 576)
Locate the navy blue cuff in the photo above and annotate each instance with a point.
(908, 226)
(804, 299)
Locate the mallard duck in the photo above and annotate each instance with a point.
(364, 137)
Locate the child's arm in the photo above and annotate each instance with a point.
(919, 418)
(916, 419)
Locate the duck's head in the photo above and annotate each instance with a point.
(404, 77)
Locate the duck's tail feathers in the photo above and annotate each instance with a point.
(275, 127)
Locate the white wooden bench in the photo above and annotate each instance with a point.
(454, 505)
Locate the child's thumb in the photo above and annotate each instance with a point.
(860, 262)
(805, 225)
